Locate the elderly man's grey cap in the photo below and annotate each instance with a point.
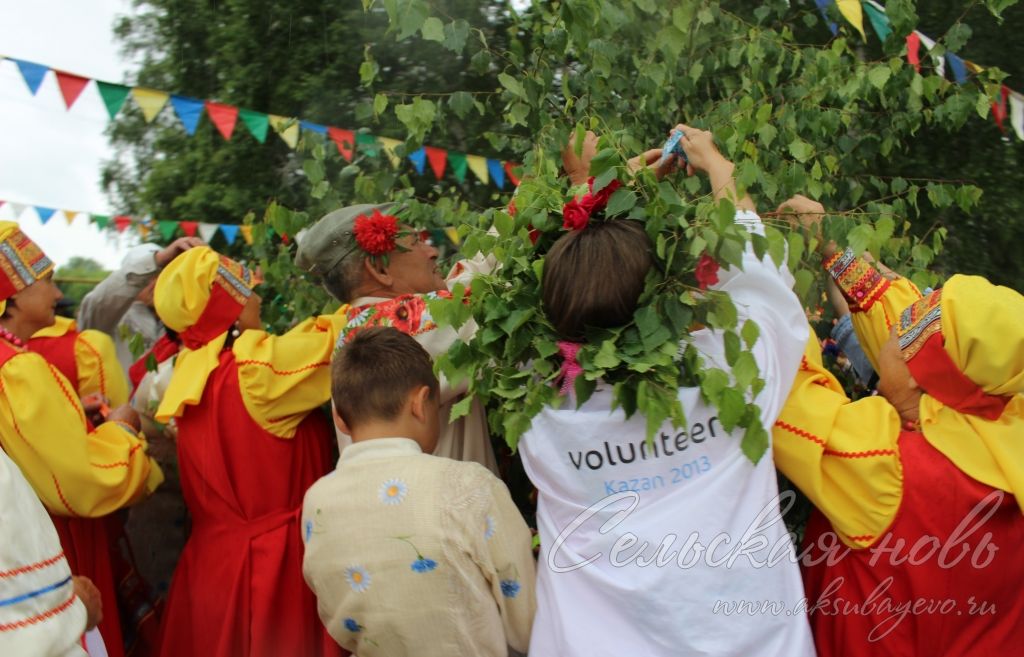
(324, 244)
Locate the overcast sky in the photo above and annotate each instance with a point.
(50, 156)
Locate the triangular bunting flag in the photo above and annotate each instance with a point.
(189, 227)
(100, 220)
(999, 107)
(313, 127)
(913, 49)
(286, 128)
(256, 122)
(367, 144)
(458, 164)
(230, 232)
(438, 158)
(419, 160)
(345, 140)
(113, 96)
(823, 6)
(207, 231)
(957, 66)
(69, 216)
(150, 101)
(973, 68)
(121, 222)
(144, 230)
(16, 208)
(32, 73)
(510, 169)
(390, 145)
(851, 11)
(167, 229)
(478, 165)
(453, 235)
(224, 117)
(246, 231)
(1017, 113)
(44, 214)
(70, 86)
(940, 63)
(879, 21)
(496, 172)
(188, 110)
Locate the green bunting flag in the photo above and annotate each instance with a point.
(457, 162)
(367, 144)
(879, 21)
(167, 229)
(100, 220)
(256, 122)
(113, 96)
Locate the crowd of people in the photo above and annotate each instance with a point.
(193, 501)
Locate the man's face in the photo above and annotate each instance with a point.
(414, 270)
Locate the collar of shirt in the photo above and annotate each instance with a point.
(379, 448)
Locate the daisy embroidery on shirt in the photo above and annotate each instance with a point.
(393, 491)
(510, 588)
(358, 578)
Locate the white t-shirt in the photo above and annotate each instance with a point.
(603, 494)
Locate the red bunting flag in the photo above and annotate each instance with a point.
(510, 170)
(223, 116)
(913, 47)
(438, 158)
(121, 222)
(345, 139)
(189, 227)
(999, 108)
(70, 86)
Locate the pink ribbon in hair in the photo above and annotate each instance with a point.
(570, 366)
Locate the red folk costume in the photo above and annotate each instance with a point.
(85, 358)
(250, 442)
(80, 474)
(914, 550)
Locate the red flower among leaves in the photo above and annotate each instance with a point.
(577, 212)
(706, 272)
(375, 234)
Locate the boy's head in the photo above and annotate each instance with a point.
(383, 386)
(594, 276)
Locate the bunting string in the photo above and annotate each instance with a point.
(1009, 104)
(226, 119)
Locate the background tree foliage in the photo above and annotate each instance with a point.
(891, 152)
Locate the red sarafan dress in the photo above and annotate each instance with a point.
(247, 453)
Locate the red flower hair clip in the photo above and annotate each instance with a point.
(375, 234)
(576, 213)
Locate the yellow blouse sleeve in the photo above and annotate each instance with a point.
(876, 299)
(843, 455)
(284, 377)
(98, 368)
(74, 472)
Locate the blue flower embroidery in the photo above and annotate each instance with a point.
(352, 626)
(510, 588)
(423, 565)
(309, 529)
(358, 578)
(489, 527)
(393, 491)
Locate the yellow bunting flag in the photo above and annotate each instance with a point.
(287, 128)
(453, 235)
(69, 215)
(478, 165)
(150, 101)
(246, 231)
(852, 11)
(144, 230)
(389, 150)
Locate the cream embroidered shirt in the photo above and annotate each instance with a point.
(413, 554)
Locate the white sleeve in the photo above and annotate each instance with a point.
(103, 308)
(763, 292)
